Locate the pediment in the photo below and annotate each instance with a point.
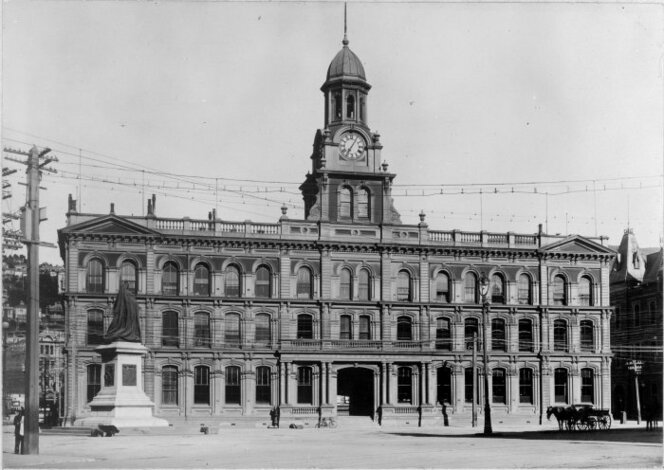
(111, 225)
(577, 244)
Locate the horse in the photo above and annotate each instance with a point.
(566, 416)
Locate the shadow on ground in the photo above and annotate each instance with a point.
(611, 435)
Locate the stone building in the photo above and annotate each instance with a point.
(636, 329)
(345, 312)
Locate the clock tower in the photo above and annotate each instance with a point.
(348, 183)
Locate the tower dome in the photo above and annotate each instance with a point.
(346, 65)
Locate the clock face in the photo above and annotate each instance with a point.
(351, 146)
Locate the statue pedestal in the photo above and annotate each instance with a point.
(121, 402)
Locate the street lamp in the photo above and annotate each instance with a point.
(484, 291)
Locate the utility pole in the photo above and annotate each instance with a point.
(635, 366)
(30, 222)
(474, 407)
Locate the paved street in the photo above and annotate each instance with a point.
(621, 447)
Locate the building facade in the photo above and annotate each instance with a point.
(636, 330)
(347, 311)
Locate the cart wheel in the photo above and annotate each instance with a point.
(607, 422)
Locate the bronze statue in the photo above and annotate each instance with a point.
(124, 326)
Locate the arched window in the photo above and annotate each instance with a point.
(95, 277)
(201, 385)
(232, 385)
(232, 281)
(498, 386)
(498, 340)
(169, 279)
(497, 289)
(263, 284)
(128, 275)
(337, 105)
(470, 288)
(585, 291)
(350, 107)
(560, 385)
(471, 329)
(345, 327)
(364, 285)
(442, 288)
(363, 204)
(202, 280)
(94, 381)
(524, 290)
(526, 335)
(202, 329)
(345, 285)
(587, 339)
(587, 386)
(345, 203)
(304, 385)
(263, 386)
(405, 385)
(232, 330)
(404, 286)
(560, 335)
(526, 386)
(444, 385)
(559, 290)
(305, 327)
(443, 334)
(169, 385)
(365, 327)
(404, 329)
(170, 331)
(95, 327)
(304, 284)
(263, 330)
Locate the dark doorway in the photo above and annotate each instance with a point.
(355, 392)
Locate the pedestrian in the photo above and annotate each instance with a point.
(19, 431)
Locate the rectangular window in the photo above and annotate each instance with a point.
(468, 385)
(95, 327)
(169, 386)
(94, 380)
(365, 329)
(560, 385)
(202, 386)
(526, 336)
(305, 327)
(498, 386)
(443, 334)
(202, 330)
(263, 389)
(304, 386)
(170, 335)
(498, 342)
(262, 329)
(526, 386)
(405, 385)
(232, 330)
(587, 386)
(345, 328)
(232, 385)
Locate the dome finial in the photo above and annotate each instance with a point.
(345, 41)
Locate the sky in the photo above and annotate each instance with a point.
(494, 116)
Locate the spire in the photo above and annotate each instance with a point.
(345, 41)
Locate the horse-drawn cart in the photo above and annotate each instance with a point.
(581, 417)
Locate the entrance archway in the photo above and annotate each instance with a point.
(355, 392)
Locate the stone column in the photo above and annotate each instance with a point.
(425, 281)
(386, 277)
(218, 388)
(249, 390)
(458, 391)
(325, 274)
(149, 271)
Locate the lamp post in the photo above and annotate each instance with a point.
(484, 290)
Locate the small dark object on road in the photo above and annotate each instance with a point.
(205, 429)
(296, 426)
(107, 430)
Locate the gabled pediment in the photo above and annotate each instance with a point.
(110, 224)
(577, 244)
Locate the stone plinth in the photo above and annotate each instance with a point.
(121, 400)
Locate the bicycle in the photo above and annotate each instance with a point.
(327, 423)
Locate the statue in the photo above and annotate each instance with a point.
(124, 326)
